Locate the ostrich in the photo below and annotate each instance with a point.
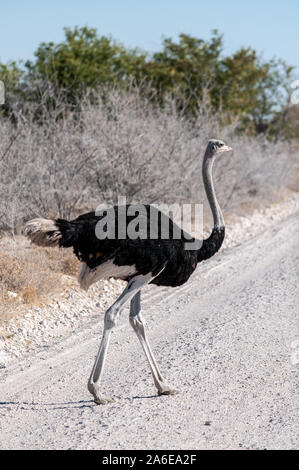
(141, 261)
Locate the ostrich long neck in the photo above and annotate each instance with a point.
(212, 244)
(210, 192)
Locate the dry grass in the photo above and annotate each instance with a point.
(30, 275)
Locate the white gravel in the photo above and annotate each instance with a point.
(40, 326)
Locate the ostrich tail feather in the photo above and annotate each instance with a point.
(43, 232)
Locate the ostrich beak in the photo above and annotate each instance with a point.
(226, 148)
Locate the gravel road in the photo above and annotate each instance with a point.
(227, 340)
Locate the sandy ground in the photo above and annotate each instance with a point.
(228, 339)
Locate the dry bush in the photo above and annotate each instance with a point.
(123, 146)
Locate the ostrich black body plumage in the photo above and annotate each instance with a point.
(146, 254)
(139, 260)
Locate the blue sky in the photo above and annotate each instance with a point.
(270, 26)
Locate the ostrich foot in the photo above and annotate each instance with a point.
(167, 390)
(103, 400)
(99, 399)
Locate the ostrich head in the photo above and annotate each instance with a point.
(216, 147)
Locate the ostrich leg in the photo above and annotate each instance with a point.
(138, 325)
(110, 321)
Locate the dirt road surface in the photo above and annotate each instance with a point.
(227, 339)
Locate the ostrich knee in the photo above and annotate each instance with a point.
(111, 318)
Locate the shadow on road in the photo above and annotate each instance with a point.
(26, 405)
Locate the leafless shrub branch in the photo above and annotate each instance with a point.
(65, 162)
